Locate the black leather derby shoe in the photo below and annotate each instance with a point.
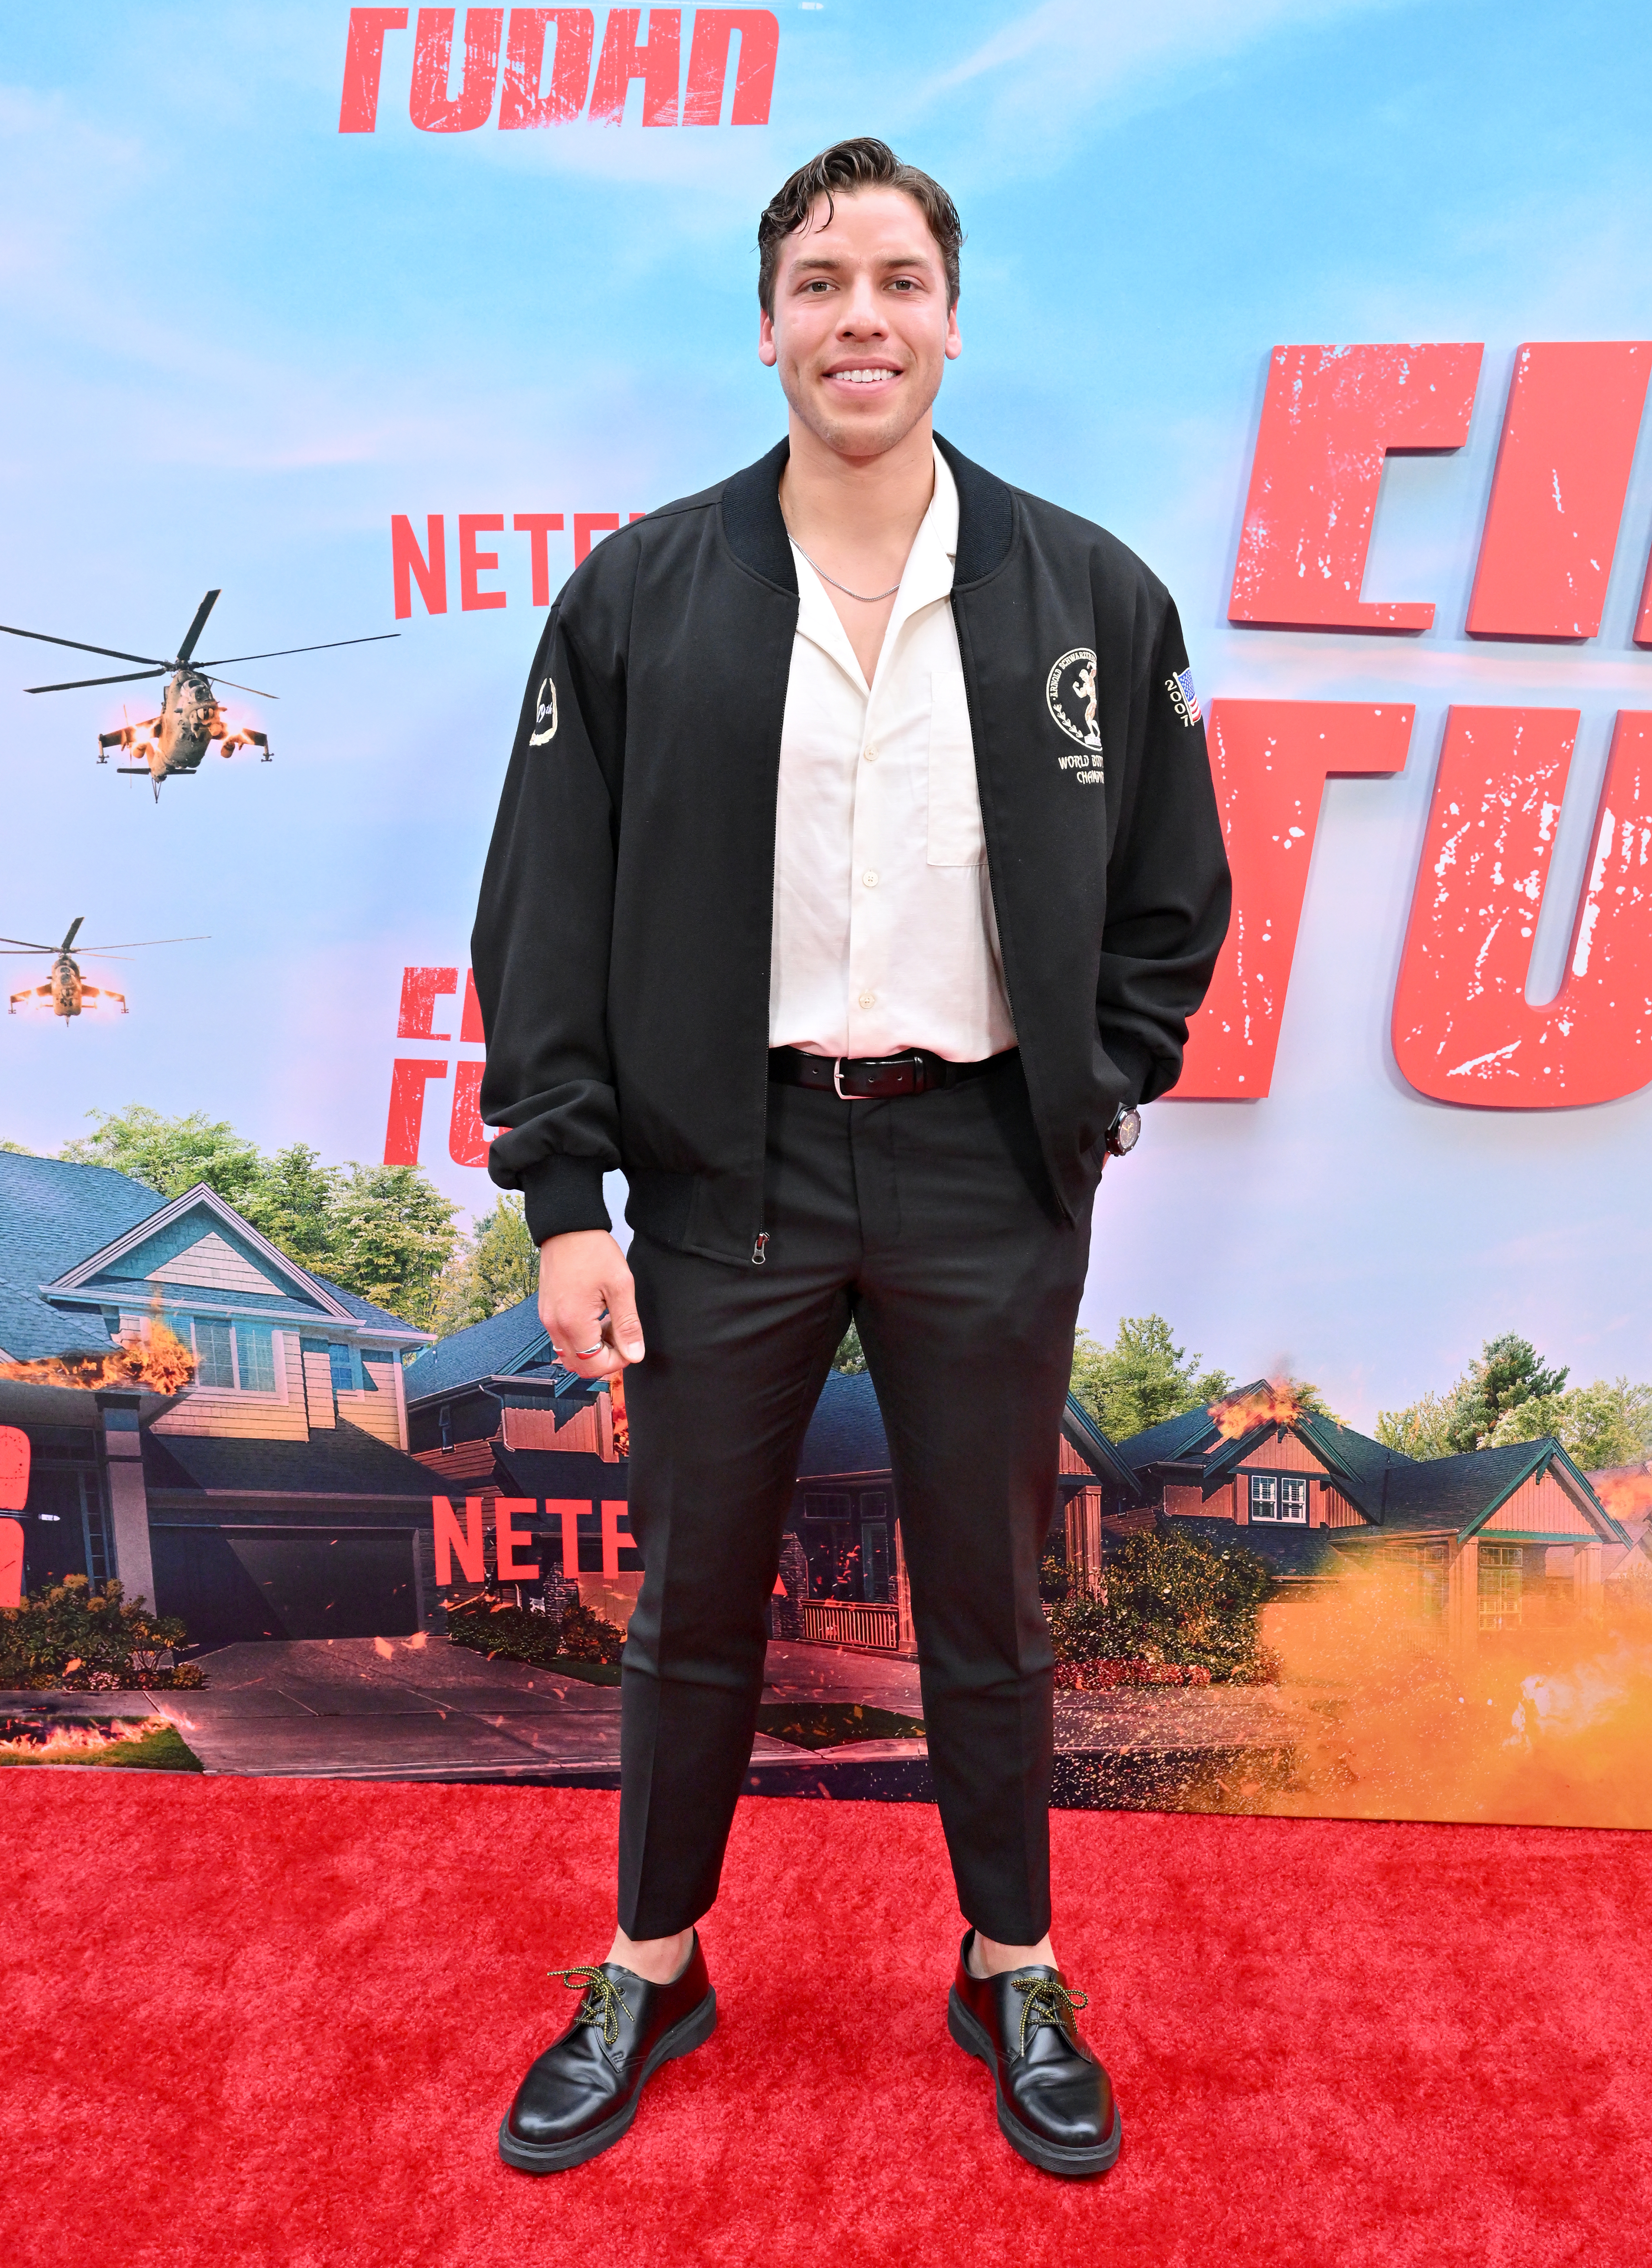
(1055, 2103)
(581, 2094)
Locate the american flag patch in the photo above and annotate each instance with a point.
(1185, 700)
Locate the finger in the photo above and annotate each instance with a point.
(577, 1334)
(623, 1332)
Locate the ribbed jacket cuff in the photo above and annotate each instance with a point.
(1136, 1067)
(560, 1195)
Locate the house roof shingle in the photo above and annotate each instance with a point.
(846, 1433)
(505, 1344)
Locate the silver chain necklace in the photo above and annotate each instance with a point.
(865, 598)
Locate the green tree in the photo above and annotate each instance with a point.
(294, 1206)
(1142, 1379)
(1424, 1428)
(18, 1149)
(170, 1155)
(392, 1236)
(1609, 1423)
(1510, 1372)
(491, 1269)
(851, 1356)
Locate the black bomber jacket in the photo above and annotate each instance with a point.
(622, 942)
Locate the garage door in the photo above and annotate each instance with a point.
(233, 1583)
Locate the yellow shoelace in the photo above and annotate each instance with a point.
(602, 1999)
(1043, 2002)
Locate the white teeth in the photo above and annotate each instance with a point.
(864, 377)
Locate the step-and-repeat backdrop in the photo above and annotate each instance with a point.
(366, 324)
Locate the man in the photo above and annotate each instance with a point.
(857, 871)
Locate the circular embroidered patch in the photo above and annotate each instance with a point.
(1070, 691)
(544, 713)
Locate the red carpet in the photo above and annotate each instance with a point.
(277, 2021)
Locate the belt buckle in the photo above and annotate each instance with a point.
(838, 1080)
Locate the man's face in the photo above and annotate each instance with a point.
(861, 330)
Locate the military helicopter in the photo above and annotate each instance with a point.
(172, 745)
(67, 990)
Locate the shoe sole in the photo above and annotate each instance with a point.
(691, 2032)
(1048, 2157)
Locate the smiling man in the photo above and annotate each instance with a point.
(857, 872)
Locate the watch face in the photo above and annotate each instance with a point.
(1126, 1133)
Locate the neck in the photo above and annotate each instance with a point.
(859, 503)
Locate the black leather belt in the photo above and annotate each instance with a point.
(872, 1078)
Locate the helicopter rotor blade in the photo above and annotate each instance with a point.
(126, 944)
(114, 652)
(213, 679)
(71, 934)
(327, 646)
(72, 684)
(199, 623)
(14, 945)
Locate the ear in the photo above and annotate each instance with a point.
(955, 343)
(768, 352)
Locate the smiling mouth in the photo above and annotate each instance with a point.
(862, 375)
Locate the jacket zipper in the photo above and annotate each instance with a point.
(759, 1249)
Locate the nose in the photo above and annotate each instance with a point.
(862, 317)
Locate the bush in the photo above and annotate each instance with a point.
(582, 1635)
(89, 1635)
(1169, 1602)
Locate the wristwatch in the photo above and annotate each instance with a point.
(1124, 1132)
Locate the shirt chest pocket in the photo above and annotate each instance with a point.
(956, 838)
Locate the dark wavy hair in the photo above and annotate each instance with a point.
(862, 164)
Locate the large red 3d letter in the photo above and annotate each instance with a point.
(428, 103)
(466, 1541)
(15, 1454)
(406, 1124)
(1271, 760)
(1557, 496)
(467, 1137)
(364, 63)
(421, 988)
(507, 1535)
(714, 28)
(1330, 417)
(658, 62)
(1464, 1029)
(521, 100)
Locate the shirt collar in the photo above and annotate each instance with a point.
(926, 577)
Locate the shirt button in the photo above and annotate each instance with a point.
(868, 999)
(871, 754)
(870, 878)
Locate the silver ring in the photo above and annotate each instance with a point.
(583, 1353)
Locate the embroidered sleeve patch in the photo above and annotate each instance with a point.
(1183, 699)
(544, 713)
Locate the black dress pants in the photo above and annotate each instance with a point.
(928, 1220)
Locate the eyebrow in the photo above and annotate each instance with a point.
(826, 263)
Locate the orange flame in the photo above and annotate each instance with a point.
(1278, 1403)
(1548, 1724)
(1627, 1495)
(83, 1740)
(161, 1362)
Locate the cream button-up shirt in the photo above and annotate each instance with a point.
(884, 935)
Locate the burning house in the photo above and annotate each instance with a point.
(206, 1420)
(1489, 1542)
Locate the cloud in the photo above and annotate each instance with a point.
(1061, 60)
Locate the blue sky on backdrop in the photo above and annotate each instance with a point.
(238, 341)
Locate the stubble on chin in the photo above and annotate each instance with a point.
(862, 438)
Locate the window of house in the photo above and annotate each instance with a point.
(341, 1360)
(1499, 1586)
(233, 1357)
(380, 1355)
(1278, 1496)
(819, 1505)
